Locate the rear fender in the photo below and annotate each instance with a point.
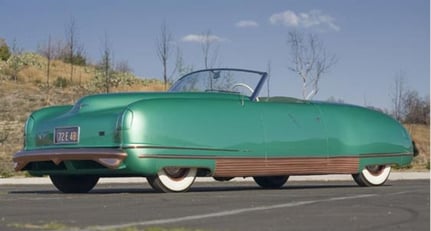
(37, 117)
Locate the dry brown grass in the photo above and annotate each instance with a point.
(420, 134)
(58, 69)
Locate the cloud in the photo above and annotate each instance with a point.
(246, 24)
(288, 18)
(314, 18)
(202, 38)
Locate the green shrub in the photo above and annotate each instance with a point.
(61, 82)
(4, 52)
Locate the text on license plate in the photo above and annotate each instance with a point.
(66, 135)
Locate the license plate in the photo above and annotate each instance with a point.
(66, 135)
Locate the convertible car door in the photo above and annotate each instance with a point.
(295, 138)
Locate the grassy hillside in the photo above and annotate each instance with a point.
(30, 91)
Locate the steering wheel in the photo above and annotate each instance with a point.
(243, 85)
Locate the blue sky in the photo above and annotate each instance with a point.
(373, 40)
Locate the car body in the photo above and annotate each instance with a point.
(210, 123)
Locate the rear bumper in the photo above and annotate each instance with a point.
(110, 158)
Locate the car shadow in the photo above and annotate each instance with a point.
(117, 190)
(197, 188)
(257, 188)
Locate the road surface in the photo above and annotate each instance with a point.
(212, 206)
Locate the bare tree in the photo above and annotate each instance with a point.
(75, 51)
(309, 60)
(15, 61)
(209, 52)
(180, 66)
(123, 67)
(408, 106)
(47, 51)
(164, 49)
(106, 65)
(398, 96)
(416, 109)
(71, 42)
(268, 70)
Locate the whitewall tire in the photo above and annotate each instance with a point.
(173, 179)
(375, 175)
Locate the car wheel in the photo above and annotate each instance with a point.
(270, 182)
(74, 184)
(173, 179)
(374, 175)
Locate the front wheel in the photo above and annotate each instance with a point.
(374, 175)
(74, 184)
(270, 182)
(173, 179)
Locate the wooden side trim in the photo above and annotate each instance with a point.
(226, 167)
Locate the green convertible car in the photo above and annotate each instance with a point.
(211, 123)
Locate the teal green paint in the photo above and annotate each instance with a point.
(353, 130)
(294, 129)
(213, 125)
(198, 123)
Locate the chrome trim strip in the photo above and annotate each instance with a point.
(181, 148)
(173, 156)
(372, 155)
(200, 157)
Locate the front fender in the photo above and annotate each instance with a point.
(373, 136)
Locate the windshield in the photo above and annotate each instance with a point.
(237, 81)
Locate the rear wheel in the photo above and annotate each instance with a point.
(270, 182)
(74, 184)
(173, 179)
(374, 175)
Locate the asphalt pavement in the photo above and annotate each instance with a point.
(302, 204)
(224, 206)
